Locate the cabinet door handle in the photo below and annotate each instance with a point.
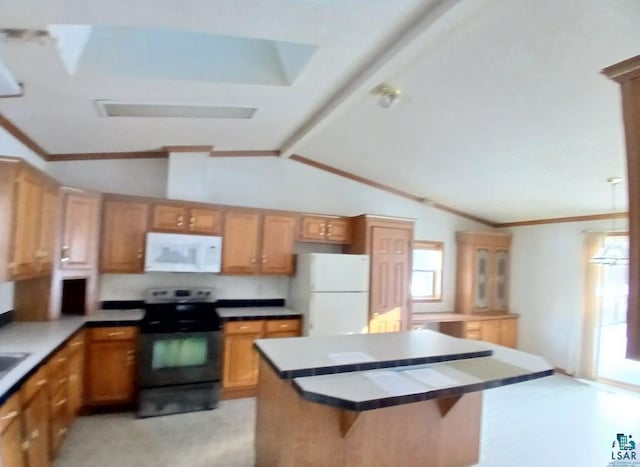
(192, 221)
(116, 334)
(322, 229)
(329, 229)
(61, 360)
(64, 257)
(244, 327)
(254, 260)
(25, 445)
(180, 221)
(41, 382)
(139, 254)
(61, 402)
(264, 259)
(35, 434)
(76, 344)
(284, 326)
(10, 415)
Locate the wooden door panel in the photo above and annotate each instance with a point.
(206, 221)
(509, 333)
(36, 429)
(313, 228)
(80, 231)
(240, 243)
(27, 223)
(48, 227)
(110, 377)
(11, 454)
(166, 217)
(390, 262)
(338, 230)
(241, 361)
(277, 245)
(491, 331)
(124, 229)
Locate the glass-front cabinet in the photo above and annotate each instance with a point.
(482, 278)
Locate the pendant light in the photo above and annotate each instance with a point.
(612, 254)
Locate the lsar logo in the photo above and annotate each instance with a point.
(623, 451)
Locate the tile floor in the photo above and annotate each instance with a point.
(555, 421)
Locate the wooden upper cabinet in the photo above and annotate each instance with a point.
(256, 244)
(49, 218)
(240, 244)
(177, 218)
(168, 217)
(27, 214)
(325, 229)
(482, 277)
(277, 245)
(124, 227)
(80, 225)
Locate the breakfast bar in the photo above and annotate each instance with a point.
(411, 398)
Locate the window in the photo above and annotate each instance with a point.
(426, 277)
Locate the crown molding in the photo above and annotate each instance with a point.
(560, 220)
(96, 156)
(624, 70)
(253, 153)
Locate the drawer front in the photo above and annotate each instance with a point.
(9, 411)
(472, 326)
(76, 343)
(58, 363)
(477, 335)
(244, 327)
(34, 384)
(282, 325)
(112, 334)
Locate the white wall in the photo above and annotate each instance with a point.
(270, 182)
(547, 288)
(9, 146)
(143, 177)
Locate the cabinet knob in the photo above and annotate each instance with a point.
(322, 229)
(253, 261)
(139, 254)
(264, 259)
(329, 229)
(192, 221)
(180, 221)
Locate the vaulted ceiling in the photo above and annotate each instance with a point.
(503, 112)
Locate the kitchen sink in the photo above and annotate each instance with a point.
(9, 359)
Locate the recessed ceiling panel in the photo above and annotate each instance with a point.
(156, 110)
(159, 53)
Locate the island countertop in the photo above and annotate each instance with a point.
(320, 355)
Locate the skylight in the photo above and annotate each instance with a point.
(159, 53)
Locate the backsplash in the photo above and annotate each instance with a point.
(6, 296)
(133, 286)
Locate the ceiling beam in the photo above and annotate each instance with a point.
(22, 137)
(559, 220)
(251, 153)
(95, 156)
(203, 148)
(394, 52)
(387, 188)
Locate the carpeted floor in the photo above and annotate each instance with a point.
(555, 421)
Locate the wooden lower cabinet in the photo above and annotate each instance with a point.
(35, 416)
(241, 360)
(501, 331)
(111, 365)
(11, 439)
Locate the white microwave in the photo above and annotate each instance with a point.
(182, 253)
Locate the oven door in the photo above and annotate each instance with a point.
(174, 358)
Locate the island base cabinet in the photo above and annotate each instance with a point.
(293, 432)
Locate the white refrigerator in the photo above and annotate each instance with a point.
(332, 293)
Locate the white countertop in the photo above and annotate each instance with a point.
(255, 312)
(305, 356)
(40, 339)
(363, 390)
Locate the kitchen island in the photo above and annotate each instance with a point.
(411, 398)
